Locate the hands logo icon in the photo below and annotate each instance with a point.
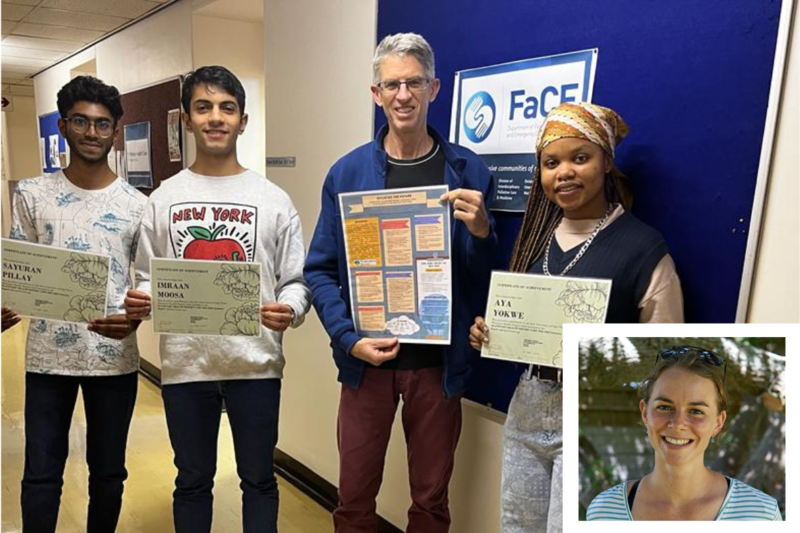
(479, 117)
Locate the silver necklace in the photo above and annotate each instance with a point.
(580, 252)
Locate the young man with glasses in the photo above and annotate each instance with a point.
(376, 373)
(218, 210)
(84, 207)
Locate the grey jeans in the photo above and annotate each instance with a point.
(532, 460)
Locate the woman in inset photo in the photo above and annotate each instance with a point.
(684, 404)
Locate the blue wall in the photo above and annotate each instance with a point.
(692, 80)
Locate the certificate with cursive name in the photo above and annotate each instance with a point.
(193, 297)
(525, 313)
(54, 283)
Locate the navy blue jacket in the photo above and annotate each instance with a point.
(364, 169)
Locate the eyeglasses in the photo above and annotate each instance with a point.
(415, 85)
(675, 352)
(102, 126)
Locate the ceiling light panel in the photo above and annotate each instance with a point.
(71, 19)
(25, 62)
(55, 32)
(31, 53)
(41, 44)
(119, 8)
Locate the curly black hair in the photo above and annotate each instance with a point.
(216, 76)
(89, 89)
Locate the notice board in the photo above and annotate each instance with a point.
(152, 105)
(693, 81)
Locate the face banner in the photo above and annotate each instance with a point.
(498, 109)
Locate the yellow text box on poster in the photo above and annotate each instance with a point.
(363, 242)
(400, 289)
(369, 286)
(372, 318)
(397, 241)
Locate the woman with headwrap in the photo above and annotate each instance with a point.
(576, 224)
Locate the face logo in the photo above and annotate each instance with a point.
(213, 232)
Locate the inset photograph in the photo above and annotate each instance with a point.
(682, 428)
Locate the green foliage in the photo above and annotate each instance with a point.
(601, 477)
(771, 344)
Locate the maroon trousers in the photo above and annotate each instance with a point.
(432, 425)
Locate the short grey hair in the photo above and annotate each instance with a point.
(402, 44)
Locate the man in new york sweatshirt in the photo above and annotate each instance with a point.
(218, 210)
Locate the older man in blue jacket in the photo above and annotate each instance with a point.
(376, 373)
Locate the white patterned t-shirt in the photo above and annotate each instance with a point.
(50, 210)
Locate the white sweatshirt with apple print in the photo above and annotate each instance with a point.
(243, 217)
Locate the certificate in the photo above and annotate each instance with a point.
(525, 313)
(398, 262)
(54, 283)
(193, 297)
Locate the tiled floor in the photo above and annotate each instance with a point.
(147, 507)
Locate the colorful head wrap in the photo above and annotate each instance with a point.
(600, 125)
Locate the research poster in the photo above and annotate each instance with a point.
(193, 297)
(497, 111)
(137, 155)
(525, 314)
(55, 152)
(398, 261)
(51, 143)
(174, 135)
(54, 283)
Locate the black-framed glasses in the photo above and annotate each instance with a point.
(80, 125)
(415, 85)
(713, 359)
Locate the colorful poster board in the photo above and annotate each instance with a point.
(398, 260)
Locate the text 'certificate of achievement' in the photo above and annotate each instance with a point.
(525, 313)
(54, 283)
(193, 297)
(398, 263)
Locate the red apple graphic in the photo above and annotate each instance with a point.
(205, 246)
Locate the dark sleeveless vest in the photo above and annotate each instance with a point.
(627, 251)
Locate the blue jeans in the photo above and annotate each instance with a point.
(193, 416)
(49, 403)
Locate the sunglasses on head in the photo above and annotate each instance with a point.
(675, 352)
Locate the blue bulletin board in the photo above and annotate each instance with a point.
(51, 143)
(692, 79)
